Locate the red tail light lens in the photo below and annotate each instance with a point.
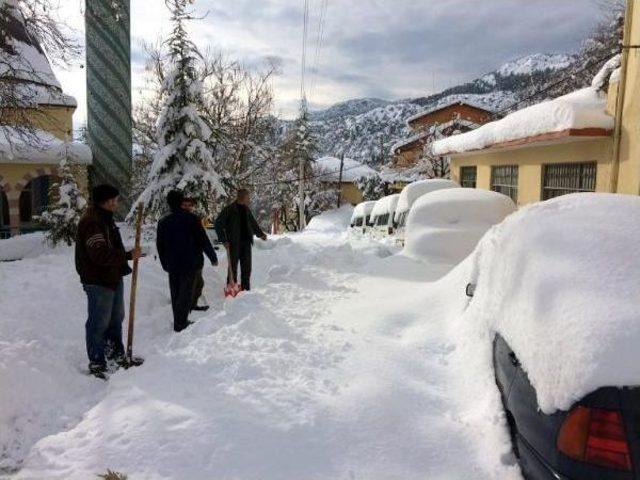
(595, 436)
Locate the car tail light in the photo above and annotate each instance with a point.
(595, 436)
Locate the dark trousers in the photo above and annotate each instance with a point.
(198, 286)
(241, 253)
(104, 322)
(181, 285)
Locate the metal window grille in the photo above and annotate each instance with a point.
(468, 176)
(504, 179)
(563, 178)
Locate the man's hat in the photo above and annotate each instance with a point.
(102, 193)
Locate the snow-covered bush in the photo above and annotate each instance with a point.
(62, 217)
(372, 187)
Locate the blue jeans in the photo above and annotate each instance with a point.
(104, 324)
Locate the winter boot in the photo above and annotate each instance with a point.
(98, 370)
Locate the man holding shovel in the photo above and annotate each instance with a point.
(236, 226)
(181, 242)
(101, 262)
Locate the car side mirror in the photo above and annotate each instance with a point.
(471, 289)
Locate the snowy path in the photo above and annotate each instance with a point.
(339, 365)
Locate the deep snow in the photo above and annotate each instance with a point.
(340, 364)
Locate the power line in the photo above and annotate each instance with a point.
(319, 44)
(296, 180)
(305, 34)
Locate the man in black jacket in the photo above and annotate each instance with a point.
(236, 227)
(181, 241)
(101, 262)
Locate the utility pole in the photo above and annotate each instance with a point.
(302, 219)
(340, 180)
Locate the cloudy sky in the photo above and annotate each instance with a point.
(371, 48)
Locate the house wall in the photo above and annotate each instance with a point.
(53, 119)
(629, 167)
(350, 194)
(409, 157)
(531, 160)
(465, 112)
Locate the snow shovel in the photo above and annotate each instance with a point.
(131, 360)
(232, 288)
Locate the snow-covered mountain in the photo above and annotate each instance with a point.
(365, 129)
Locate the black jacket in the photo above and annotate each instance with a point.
(100, 256)
(181, 240)
(236, 224)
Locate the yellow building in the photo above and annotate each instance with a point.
(569, 144)
(328, 170)
(36, 129)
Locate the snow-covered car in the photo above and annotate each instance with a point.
(411, 193)
(446, 225)
(361, 218)
(559, 284)
(382, 215)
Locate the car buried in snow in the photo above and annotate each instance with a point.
(558, 284)
(382, 216)
(410, 194)
(361, 217)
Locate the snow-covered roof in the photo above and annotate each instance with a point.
(578, 113)
(415, 190)
(385, 205)
(39, 146)
(439, 106)
(24, 60)
(363, 209)
(445, 226)
(560, 281)
(352, 170)
(443, 126)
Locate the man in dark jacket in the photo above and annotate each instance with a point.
(181, 242)
(236, 227)
(101, 262)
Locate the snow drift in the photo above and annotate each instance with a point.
(446, 225)
(337, 220)
(560, 280)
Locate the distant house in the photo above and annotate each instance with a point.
(444, 120)
(328, 170)
(560, 146)
(37, 127)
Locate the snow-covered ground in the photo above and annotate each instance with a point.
(343, 363)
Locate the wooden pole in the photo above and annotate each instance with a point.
(134, 283)
(340, 180)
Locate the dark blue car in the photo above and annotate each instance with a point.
(597, 439)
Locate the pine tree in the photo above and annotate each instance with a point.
(372, 187)
(183, 160)
(62, 217)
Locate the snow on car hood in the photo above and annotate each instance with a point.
(560, 281)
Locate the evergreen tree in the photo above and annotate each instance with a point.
(62, 217)
(182, 161)
(372, 187)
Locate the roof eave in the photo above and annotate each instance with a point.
(544, 139)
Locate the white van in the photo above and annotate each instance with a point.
(382, 215)
(411, 193)
(361, 218)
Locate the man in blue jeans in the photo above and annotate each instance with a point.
(101, 262)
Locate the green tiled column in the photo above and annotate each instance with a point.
(108, 44)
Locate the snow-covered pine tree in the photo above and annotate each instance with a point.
(372, 187)
(62, 217)
(182, 161)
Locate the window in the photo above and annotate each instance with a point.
(382, 219)
(34, 198)
(468, 176)
(504, 179)
(402, 220)
(4, 215)
(358, 222)
(563, 178)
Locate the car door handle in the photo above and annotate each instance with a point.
(514, 359)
